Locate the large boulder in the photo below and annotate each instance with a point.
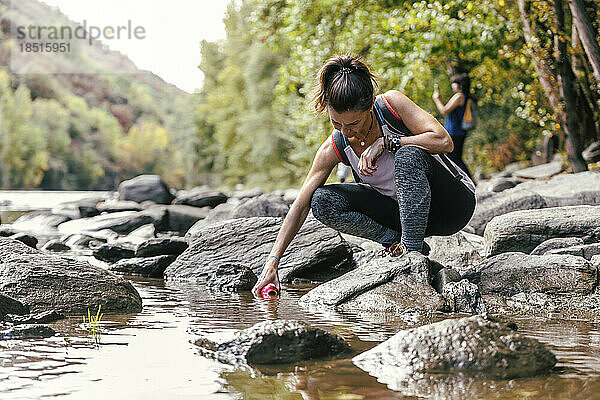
(471, 344)
(200, 197)
(52, 282)
(273, 342)
(563, 190)
(145, 187)
(317, 252)
(121, 222)
(510, 273)
(525, 230)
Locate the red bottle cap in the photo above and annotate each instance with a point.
(269, 291)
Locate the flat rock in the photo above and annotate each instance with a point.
(373, 273)
(161, 246)
(555, 243)
(542, 171)
(52, 282)
(118, 206)
(463, 297)
(273, 342)
(151, 267)
(120, 222)
(317, 252)
(471, 344)
(511, 273)
(525, 230)
(200, 197)
(145, 187)
(26, 332)
(232, 278)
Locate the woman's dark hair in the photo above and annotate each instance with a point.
(345, 84)
(464, 83)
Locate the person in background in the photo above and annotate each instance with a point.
(454, 111)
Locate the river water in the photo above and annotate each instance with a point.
(151, 355)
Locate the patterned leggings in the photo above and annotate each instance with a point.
(430, 202)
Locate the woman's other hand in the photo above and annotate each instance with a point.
(268, 275)
(366, 164)
(436, 92)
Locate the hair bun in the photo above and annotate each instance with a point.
(345, 70)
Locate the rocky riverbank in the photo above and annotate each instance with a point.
(532, 248)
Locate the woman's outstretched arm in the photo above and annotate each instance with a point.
(324, 162)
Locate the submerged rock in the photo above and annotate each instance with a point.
(52, 282)
(26, 332)
(45, 317)
(471, 344)
(317, 252)
(524, 230)
(273, 342)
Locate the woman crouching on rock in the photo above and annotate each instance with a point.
(408, 188)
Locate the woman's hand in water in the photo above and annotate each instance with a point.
(366, 164)
(268, 275)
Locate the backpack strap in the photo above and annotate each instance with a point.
(340, 142)
(395, 124)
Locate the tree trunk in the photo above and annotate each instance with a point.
(587, 36)
(571, 124)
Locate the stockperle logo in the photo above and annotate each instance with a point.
(84, 31)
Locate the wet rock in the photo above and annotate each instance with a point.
(27, 332)
(543, 171)
(55, 245)
(463, 297)
(556, 243)
(592, 153)
(471, 344)
(161, 246)
(317, 252)
(444, 276)
(145, 187)
(232, 278)
(525, 230)
(25, 238)
(460, 251)
(586, 251)
(263, 206)
(121, 222)
(273, 342)
(511, 273)
(113, 253)
(562, 190)
(372, 273)
(118, 206)
(151, 267)
(200, 197)
(45, 317)
(52, 282)
(9, 305)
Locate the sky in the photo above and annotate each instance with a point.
(173, 31)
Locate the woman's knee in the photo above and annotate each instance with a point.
(323, 204)
(410, 157)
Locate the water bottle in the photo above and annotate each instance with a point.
(269, 291)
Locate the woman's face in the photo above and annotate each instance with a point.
(455, 87)
(350, 122)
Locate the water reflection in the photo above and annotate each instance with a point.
(151, 355)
